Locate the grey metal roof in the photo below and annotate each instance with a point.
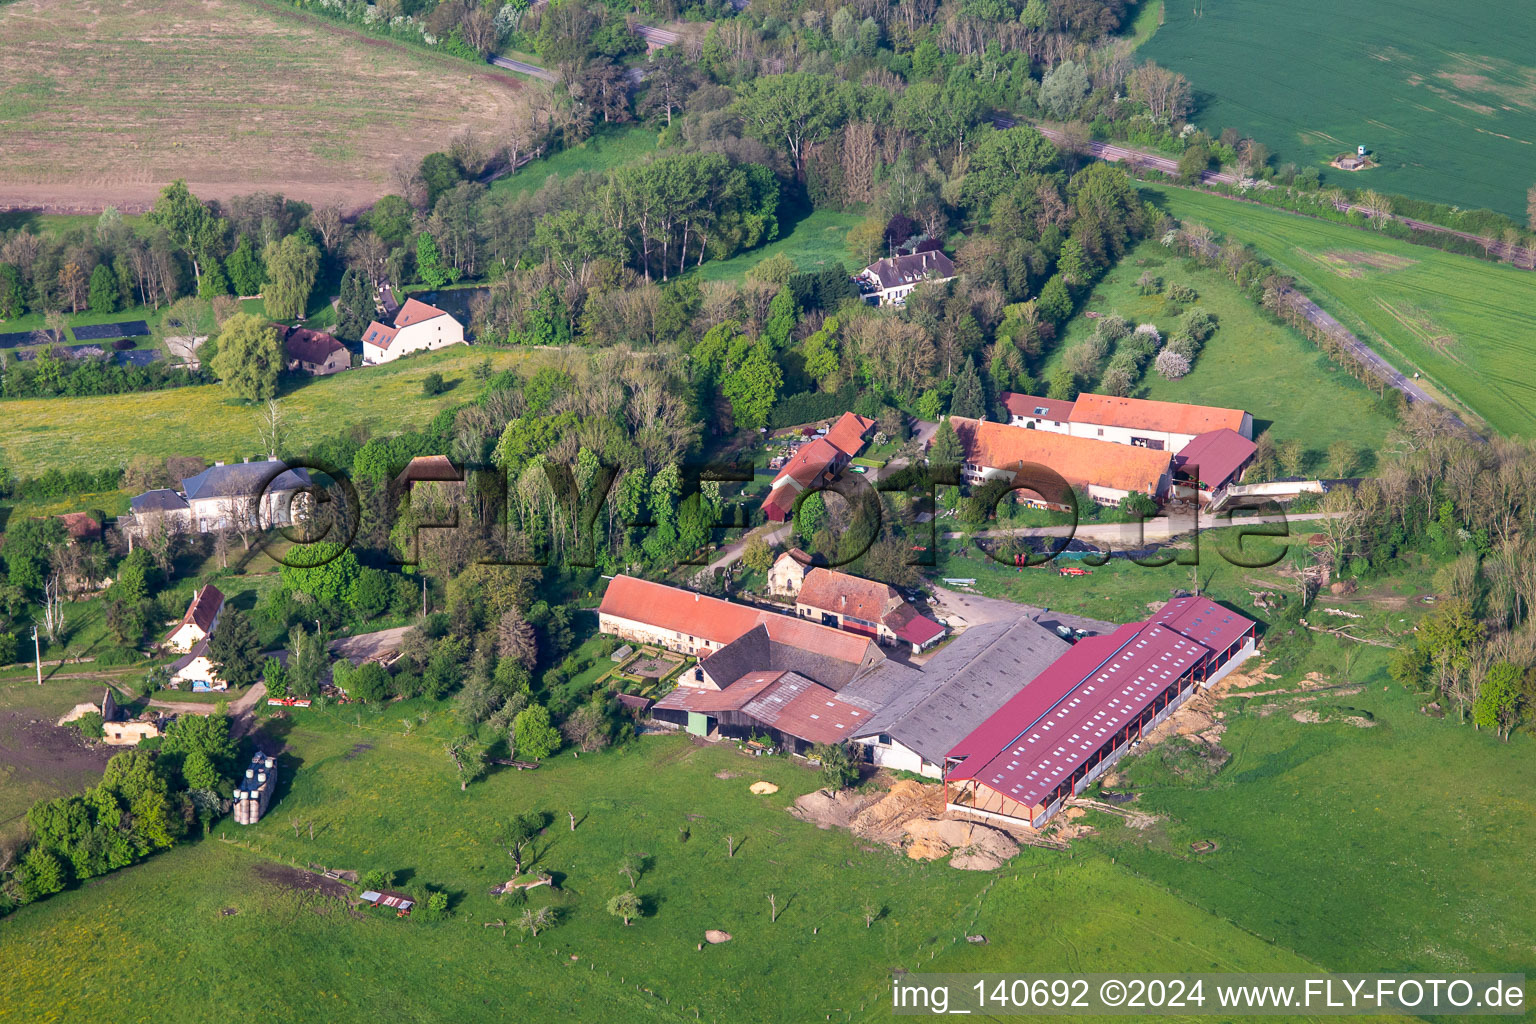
(244, 479)
(160, 500)
(964, 685)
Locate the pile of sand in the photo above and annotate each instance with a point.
(884, 820)
(764, 788)
(714, 936)
(831, 810)
(969, 846)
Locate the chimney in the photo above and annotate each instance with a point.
(217, 464)
(695, 598)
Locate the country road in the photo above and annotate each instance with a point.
(524, 68)
(1135, 534)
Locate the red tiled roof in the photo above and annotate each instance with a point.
(1079, 460)
(848, 433)
(203, 609)
(378, 335)
(838, 592)
(907, 624)
(719, 621)
(1036, 741)
(1217, 454)
(800, 472)
(415, 311)
(806, 709)
(1173, 417)
(81, 525)
(1030, 406)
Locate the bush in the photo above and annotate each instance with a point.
(90, 725)
(433, 384)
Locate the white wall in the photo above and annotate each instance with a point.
(428, 334)
(897, 756)
(1041, 423)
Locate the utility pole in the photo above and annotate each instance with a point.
(37, 654)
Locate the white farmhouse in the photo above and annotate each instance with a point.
(418, 327)
(888, 282)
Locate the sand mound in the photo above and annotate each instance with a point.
(764, 788)
(715, 936)
(831, 810)
(971, 847)
(884, 820)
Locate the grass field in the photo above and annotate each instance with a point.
(817, 240)
(105, 103)
(1250, 363)
(603, 151)
(1386, 847)
(37, 434)
(1446, 104)
(1461, 322)
(382, 798)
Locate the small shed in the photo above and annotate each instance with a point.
(622, 653)
(397, 901)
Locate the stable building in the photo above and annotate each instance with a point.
(1106, 472)
(1080, 715)
(921, 713)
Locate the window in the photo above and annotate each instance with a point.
(1101, 431)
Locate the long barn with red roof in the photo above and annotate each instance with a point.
(1080, 715)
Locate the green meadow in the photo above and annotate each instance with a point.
(1443, 98)
(602, 152)
(221, 935)
(37, 434)
(818, 239)
(1462, 323)
(1250, 363)
(1375, 838)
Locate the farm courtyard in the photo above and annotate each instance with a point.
(106, 103)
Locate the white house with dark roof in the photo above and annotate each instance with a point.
(417, 327)
(888, 282)
(198, 623)
(265, 493)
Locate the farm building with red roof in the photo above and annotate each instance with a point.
(1166, 426)
(197, 624)
(1076, 718)
(417, 327)
(1205, 466)
(1108, 472)
(864, 606)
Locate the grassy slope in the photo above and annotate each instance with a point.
(1444, 103)
(1382, 848)
(1482, 308)
(1250, 363)
(817, 240)
(605, 150)
(395, 804)
(41, 433)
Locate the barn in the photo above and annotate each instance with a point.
(1080, 715)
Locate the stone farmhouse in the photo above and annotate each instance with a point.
(855, 604)
(313, 352)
